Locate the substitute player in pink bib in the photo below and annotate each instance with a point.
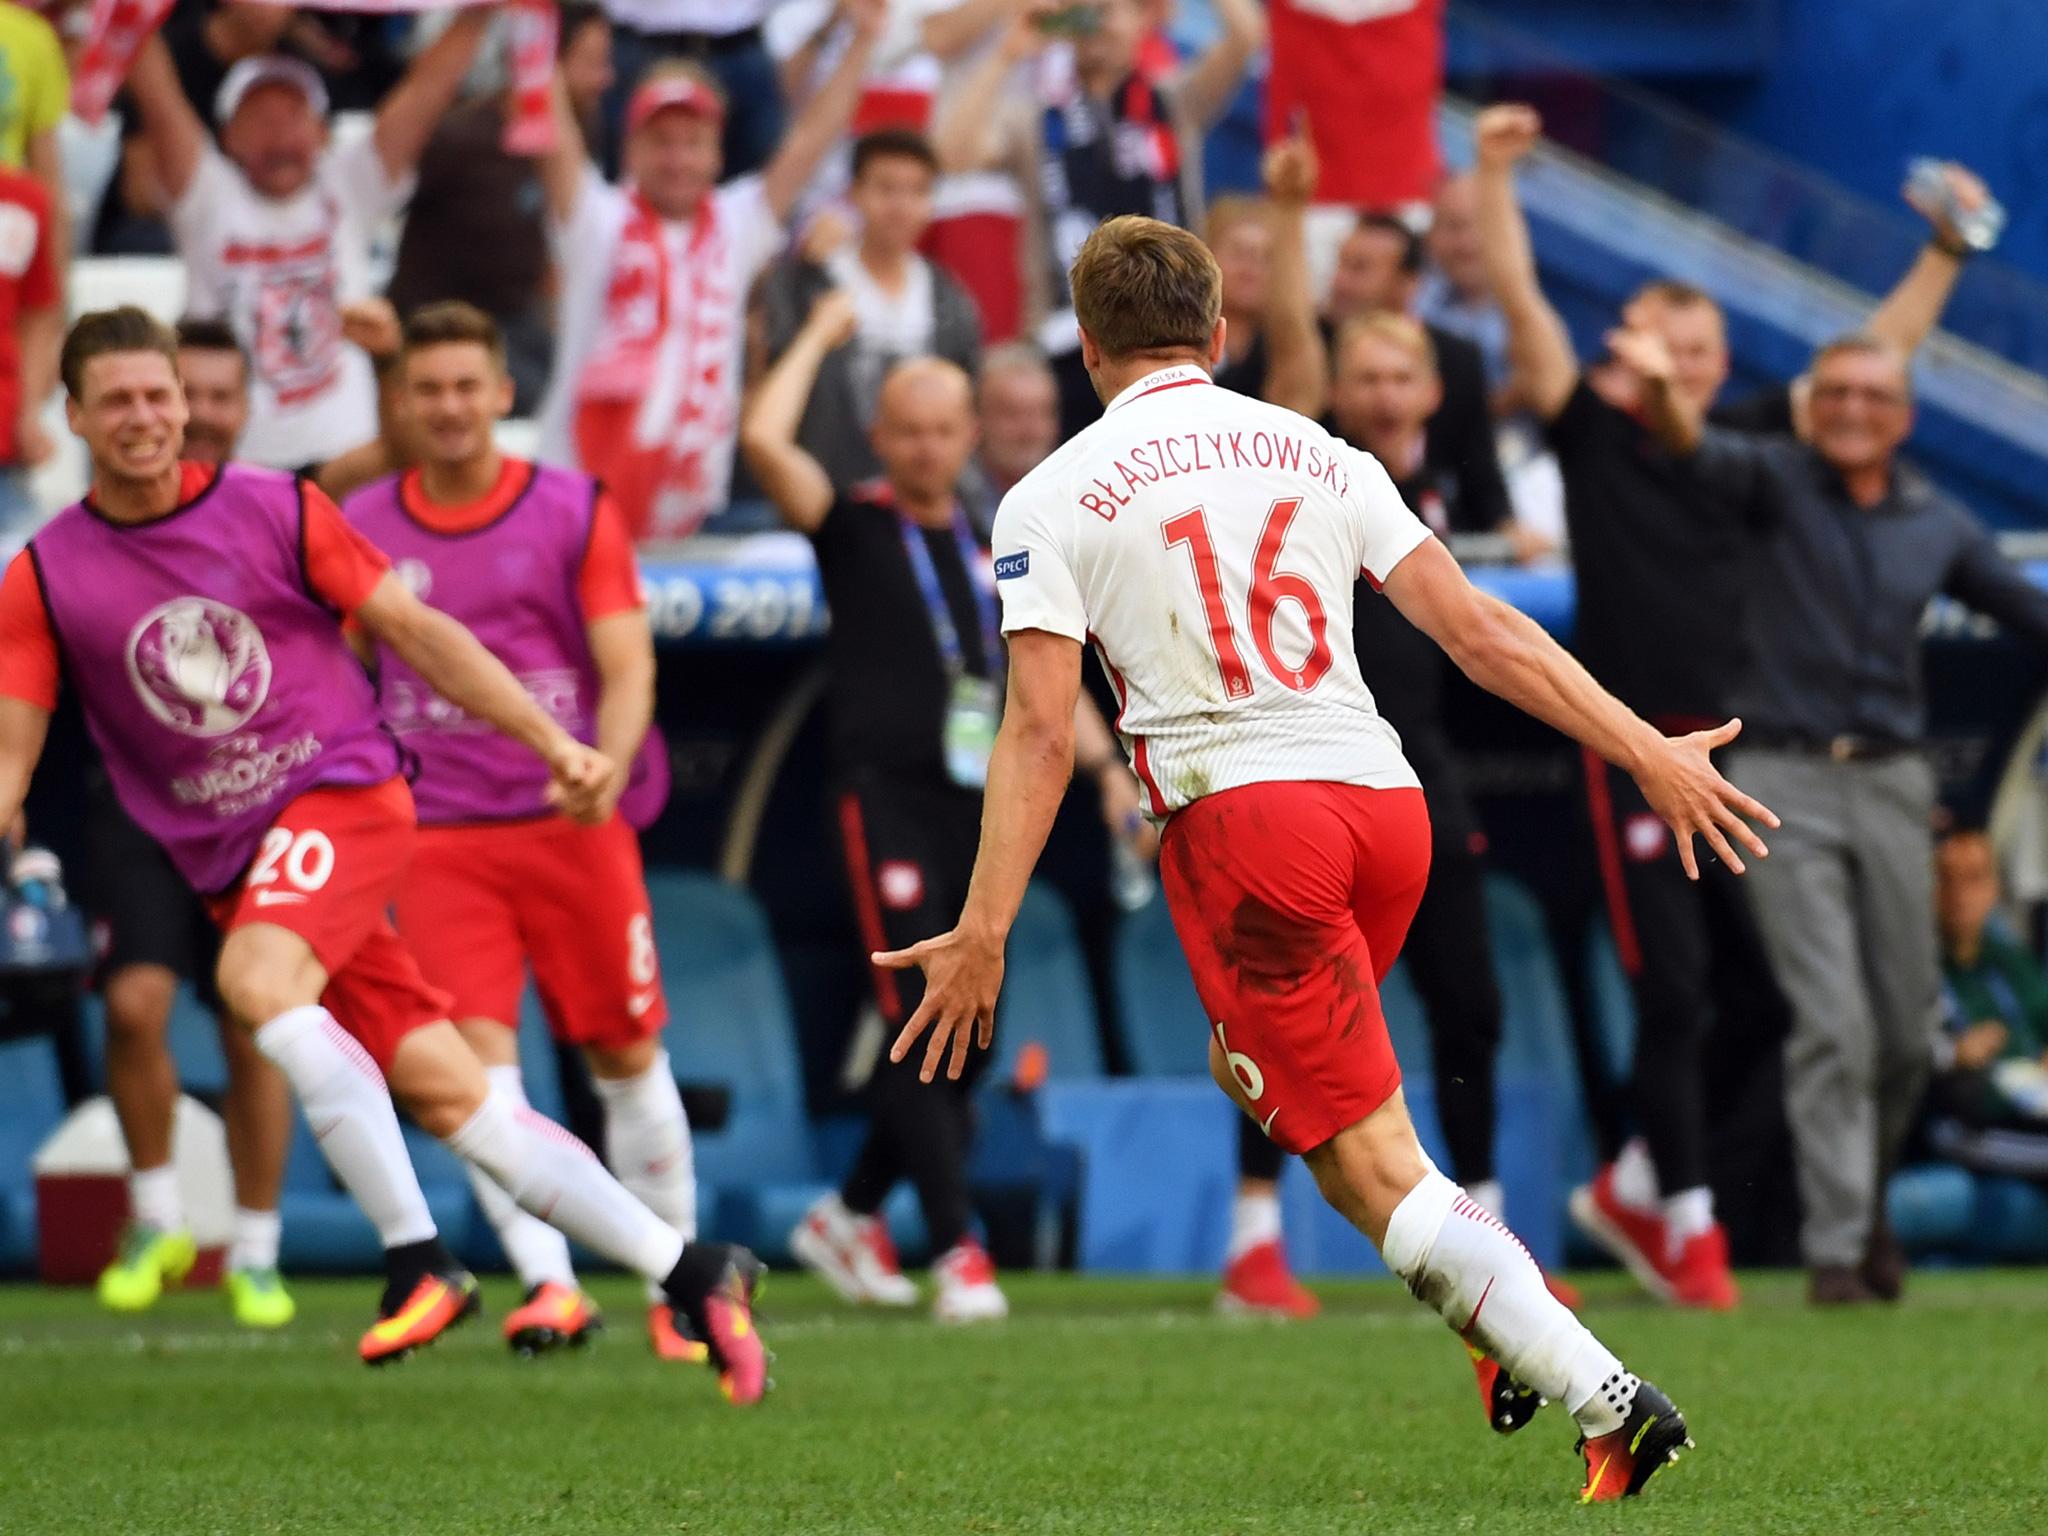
(536, 562)
(197, 613)
(1207, 545)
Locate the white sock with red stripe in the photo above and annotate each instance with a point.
(1479, 1278)
(349, 1108)
(647, 1139)
(1254, 1220)
(557, 1178)
(538, 1253)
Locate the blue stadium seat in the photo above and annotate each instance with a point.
(1047, 999)
(31, 1106)
(1165, 1031)
(730, 1027)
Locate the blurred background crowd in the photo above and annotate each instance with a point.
(1668, 357)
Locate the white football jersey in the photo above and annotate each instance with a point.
(1207, 545)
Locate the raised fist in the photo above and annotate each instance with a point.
(1502, 135)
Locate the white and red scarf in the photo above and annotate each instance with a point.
(665, 466)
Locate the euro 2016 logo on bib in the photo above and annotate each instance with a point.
(199, 666)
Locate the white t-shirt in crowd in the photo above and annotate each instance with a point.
(895, 324)
(279, 272)
(1208, 545)
(705, 340)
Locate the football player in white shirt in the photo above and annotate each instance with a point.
(1207, 544)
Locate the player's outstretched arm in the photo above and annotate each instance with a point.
(1027, 778)
(1508, 654)
(457, 666)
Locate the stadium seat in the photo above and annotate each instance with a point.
(730, 1028)
(1047, 1000)
(1933, 1208)
(31, 1106)
(1165, 1031)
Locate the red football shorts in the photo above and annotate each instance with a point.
(1291, 901)
(485, 902)
(328, 870)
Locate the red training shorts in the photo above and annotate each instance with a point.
(328, 870)
(485, 902)
(1291, 901)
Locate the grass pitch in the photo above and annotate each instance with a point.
(1102, 1406)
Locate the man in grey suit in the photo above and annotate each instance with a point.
(1850, 546)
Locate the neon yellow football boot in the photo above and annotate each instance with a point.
(259, 1298)
(149, 1259)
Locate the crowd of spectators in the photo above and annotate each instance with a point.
(736, 221)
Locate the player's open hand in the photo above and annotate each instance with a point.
(1502, 135)
(1683, 786)
(584, 784)
(962, 975)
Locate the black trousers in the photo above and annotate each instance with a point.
(1450, 960)
(1694, 962)
(909, 841)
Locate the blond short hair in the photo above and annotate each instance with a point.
(1144, 286)
(1394, 328)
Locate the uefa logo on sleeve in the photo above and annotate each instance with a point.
(199, 666)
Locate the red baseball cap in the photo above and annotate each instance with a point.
(680, 92)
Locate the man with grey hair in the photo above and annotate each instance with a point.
(1849, 547)
(1018, 401)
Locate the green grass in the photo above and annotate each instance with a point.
(1102, 1406)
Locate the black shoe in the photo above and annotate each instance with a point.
(1509, 1405)
(1620, 1464)
(1837, 1285)
(1883, 1270)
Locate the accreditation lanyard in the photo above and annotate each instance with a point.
(944, 631)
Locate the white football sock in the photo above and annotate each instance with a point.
(153, 1198)
(1489, 1196)
(647, 1139)
(1635, 1176)
(1478, 1277)
(1686, 1215)
(254, 1244)
(554, 1176)
(536, 1251)
(1254, 1219)
(349, 1108)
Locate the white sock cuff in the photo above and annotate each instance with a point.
(290, 1039)
(1412, 1229)
(154, 1199)
(488, 1126)
(648, 1090)
(506, 1078)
